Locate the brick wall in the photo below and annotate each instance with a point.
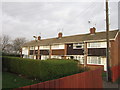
(90, 79)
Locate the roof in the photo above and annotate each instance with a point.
(74, 38)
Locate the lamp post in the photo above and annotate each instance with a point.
(108, 49)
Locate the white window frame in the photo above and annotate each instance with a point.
(31, 47)
(56, 56)
(44, 57)
(57, 46)
(80, 58)
(45, 47)
(78, 44)
(97, 45)
(94, 60)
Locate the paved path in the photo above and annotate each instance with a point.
(110, 85)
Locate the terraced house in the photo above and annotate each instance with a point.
(89, 49)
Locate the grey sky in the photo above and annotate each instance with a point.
(25, 19)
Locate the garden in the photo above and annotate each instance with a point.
(18, 72)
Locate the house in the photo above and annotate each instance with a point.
(89, 49)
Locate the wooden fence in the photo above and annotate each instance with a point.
(115, 72)
(90, 79)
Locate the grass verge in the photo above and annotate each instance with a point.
(10, 80)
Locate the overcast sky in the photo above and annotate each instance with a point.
(26, 19)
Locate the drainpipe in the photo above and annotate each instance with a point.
(34, 52)
(38, 52)
(50, 52)
(28, 51)
(85, 54)
(65, 50)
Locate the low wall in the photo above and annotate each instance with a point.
(94, 67)
(90, 79)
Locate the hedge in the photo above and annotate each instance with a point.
(10, 54)
(40, 69)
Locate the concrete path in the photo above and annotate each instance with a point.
(111, 85)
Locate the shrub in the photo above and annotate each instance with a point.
(41, 69)
(10, 54)
(118, 81)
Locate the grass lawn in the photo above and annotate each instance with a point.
(10, 80)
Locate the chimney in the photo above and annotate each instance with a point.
(60, 35)
(39, 37)
(92, 30)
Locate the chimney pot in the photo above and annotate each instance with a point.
(60, 35)
(92, 30)
(39, 37)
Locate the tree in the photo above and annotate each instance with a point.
(17, 43)
(4, 41)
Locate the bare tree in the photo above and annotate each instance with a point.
(4, 41)
(17, 43)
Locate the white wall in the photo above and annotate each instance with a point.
(36, 47)
(25, 50)
(58, 46)
(31, 56)
(34, 56)
(56, 56)
(105, 64)
(44, 57)
(31, 48)
(44, 47)
(103, 61)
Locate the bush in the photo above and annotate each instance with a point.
(10, 54)
(40, 69)
(117, 81)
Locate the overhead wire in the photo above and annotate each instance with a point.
(83, 12)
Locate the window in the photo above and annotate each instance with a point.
(97, 45)
(80, 58)
(57, 57)
(44, 57)
(25, 56)
(44, 47)
(31, 57)
(94, 45)
(94, 60)
(31, 48)
(78, 45)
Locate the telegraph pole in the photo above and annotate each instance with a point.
(108, 49)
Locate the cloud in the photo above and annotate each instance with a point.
(25, 19)
(59, 1)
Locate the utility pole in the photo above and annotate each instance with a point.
(108, 49)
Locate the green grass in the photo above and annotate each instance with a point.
(10, 80)
(118, 80)
(103, 74)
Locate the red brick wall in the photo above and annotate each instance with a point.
(115, 58)
(115, 72)
(114, 51)
(119, 49)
